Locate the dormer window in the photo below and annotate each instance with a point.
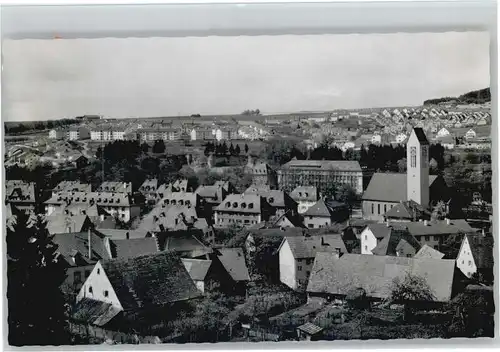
(174, 202)
(188, 202)
(243, 205)
(235, 205)
(271, 200)
(181, 202)
(228, 204)
(250, 206)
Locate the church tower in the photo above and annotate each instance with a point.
(417, 162)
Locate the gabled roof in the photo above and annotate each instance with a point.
(428, 252)
(183, 242)
(197, 268)
(305, 193)
(379, 230)
(242, 203)
(307, 247)
(94, 312)
(341, 165)
(482, 250)
(436, 227)
(131, 248)
(70, 244)
(395, 242)
(419, 132)
(389, 187)
(234, 262)
(275, 198)
(375, 274)
(20, 191)
(320, 208)
(119, 234)
(118, 187)
(407, 210)
(151, 280)
(61, 223)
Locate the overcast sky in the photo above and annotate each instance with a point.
(130, 77)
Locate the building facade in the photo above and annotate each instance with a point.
(321, 174)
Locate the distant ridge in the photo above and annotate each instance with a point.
(474, 97)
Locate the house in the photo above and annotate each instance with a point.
(234, 263)
(397, 244)
(101, 133)
(115, 187)
(428, 252)
(442, 133)
(78, 133)
(134, 287)
(309, 332)
(185, 243)
(201, 134)
(448, 142)
(149, 189)
(245, 209)
(204, 274)
(376, 139)
(62, 223)
(470, 134)
(119, 204)
(400, 138)
(280, 202)
(262, 174)
(21, 194)
(80, 162)
(213, 195)
(57, 134)
(297, 253)
(372, 235)
(305, 196)
(133, 247)
(324, 213)
(333, 278)
(78, 253)
(407, 211)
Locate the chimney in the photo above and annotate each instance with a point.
(387, 223)
(426, 223)
(101, 217)
(483, 233)
(448, 222)
(90, 244)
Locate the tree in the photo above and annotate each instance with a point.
(346, 194)
(439, 212)
(246, 148)
(237, 150)
(159, 146)
(402, 165)
(145, 147)
(409, 292)
(231, 149)
(35, 276)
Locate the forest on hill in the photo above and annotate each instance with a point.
(474, 97)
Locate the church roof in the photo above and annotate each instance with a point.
(419, 132)
(389, 187)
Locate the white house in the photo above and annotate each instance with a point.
(465, 259)
(372, 235)
(56, 134)
(296, 257)
(78, 132)
(443, 132)
(470, 134)
(305, 196)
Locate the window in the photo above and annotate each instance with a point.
(310, 226)
(470, 262)
(77, 276)
(463, 261)
(436, 238)
(247, 221)
(98, 271)
(366, 248)
(413, 156)
(427, 238)
(378, 209)
(366, 237)
(408, 255)
(373, 208)
(90, 289)
(308, 273)
(299, 268)
(106, 293)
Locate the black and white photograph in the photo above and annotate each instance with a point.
(191, 189)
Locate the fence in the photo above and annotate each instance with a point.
(96, 332)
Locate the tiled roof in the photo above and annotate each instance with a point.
(98, 198)
(340, 165)
(407, 210)
(419, 132)
(151, 280)
(275, 198)
(61, 223)
(119, 234)
(182, 241)
(436, 227)
(20, 191)
(69, 244)
(310, 328)
(152, 184)
(482, 251)
(234, 262)
(197, 268)
(118, 187)
(375, 274)
(395, 242)
(428, 252)
(131, 248)
(307, 247)
(305, 193)
(72, 186)
(242, 203)
(389, 187)
(93, 312)
(323, 208)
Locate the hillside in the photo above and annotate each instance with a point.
(474, 97)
